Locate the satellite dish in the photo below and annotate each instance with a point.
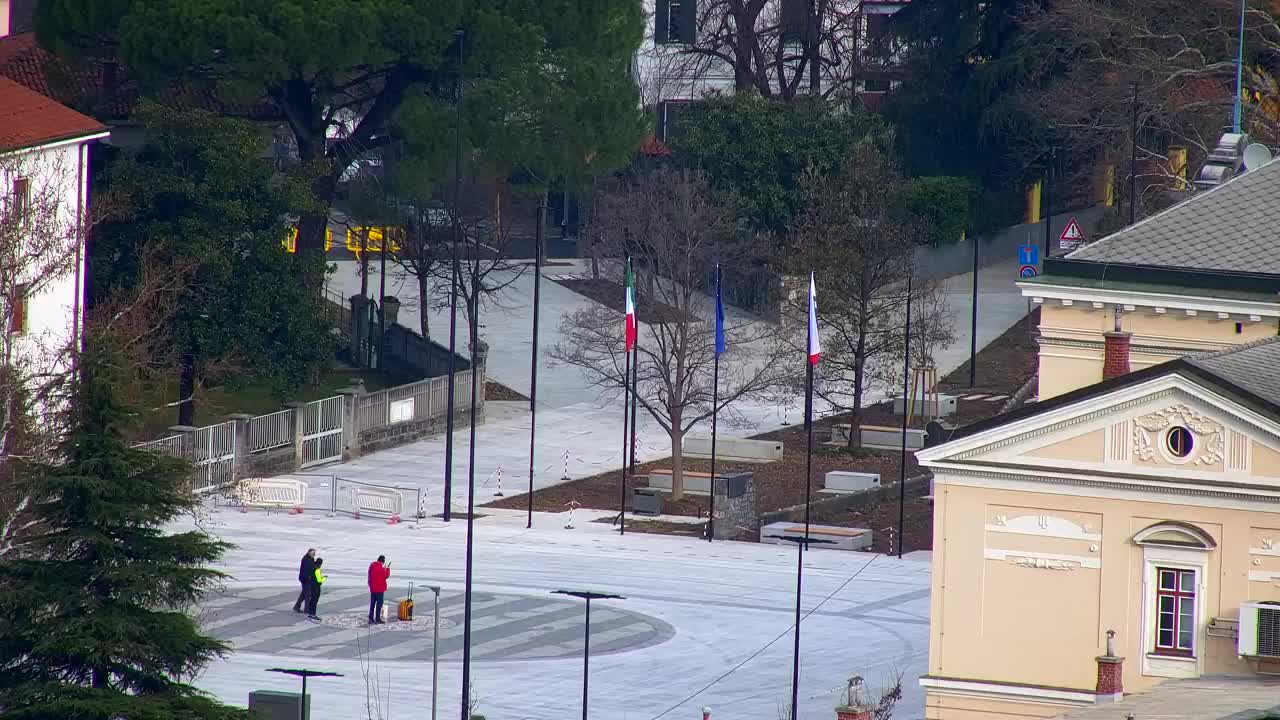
(1256, 155)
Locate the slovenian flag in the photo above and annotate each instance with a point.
(719, 316)
(815, 347)
(631, 308)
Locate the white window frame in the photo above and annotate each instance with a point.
(1195, 559)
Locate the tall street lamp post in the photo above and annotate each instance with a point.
(586, 642)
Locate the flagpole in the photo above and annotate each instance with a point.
(626, 399)
(808, 473)
(715, 407)
(533, 362)
(453, 287)
(635, 405)
(906, 412)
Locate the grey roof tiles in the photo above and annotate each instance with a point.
(1233, 227)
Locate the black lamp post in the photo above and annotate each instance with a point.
(802, 544)
(586, 642)
(304, 674)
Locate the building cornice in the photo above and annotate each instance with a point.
(1131, 300)
(1172, 351)
(1008, 692)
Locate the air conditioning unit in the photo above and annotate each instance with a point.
(1259, 629)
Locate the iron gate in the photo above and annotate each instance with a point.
(213, 452)
(321, 431)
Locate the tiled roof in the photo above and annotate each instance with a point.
(28, 118)
(1251, 367)
(1234, 227)
(82, 87)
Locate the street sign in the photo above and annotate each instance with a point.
(1072, 237)
(1027, 271)
(1028, 254)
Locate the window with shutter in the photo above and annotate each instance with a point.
(675, 21)
(669, 114)
(21, 198)
(18, 310)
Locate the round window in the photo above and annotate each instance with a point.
(1178, 441)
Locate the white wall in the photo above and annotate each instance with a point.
(48, 255)
(664, 74)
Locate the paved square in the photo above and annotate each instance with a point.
(703, 624)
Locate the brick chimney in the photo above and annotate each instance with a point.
(1110, 673)
(856, 706)
(1115, 351)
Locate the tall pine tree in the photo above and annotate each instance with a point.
(92, 620)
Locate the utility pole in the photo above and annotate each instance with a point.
(1133, 161)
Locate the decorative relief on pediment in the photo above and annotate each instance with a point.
(1151, 433)
(1043, 563)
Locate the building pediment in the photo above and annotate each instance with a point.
(1168, 431)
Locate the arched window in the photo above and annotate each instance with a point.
(1175, 560)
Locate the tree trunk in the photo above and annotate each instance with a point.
(595, 259)
(364, 263)
(677, 463)
(859, 377)
(186, 389)
(424, 323)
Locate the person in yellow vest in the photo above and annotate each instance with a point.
(315, 590)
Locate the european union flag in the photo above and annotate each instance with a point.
(719, 316)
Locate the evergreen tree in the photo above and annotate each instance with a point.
(92, 620)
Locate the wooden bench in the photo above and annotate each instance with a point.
(824, 530)
(695, 483)
(844, 538)
(273, 493)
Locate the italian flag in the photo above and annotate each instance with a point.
(631, 308)
(815, 347)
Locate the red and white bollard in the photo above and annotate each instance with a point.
(499, 493)
(566, 465)
(706, 713)
(571, 505)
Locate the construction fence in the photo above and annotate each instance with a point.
(306, 435)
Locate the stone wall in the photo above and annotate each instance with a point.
(389, 436)
(411, 355)
(267, 463)
(735, 515)
(872, 496)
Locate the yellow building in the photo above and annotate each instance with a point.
(1147, 506)
(1199, 276)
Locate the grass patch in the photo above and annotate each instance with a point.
(248, 395)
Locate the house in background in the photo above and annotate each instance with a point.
(671, 78)
(1108, 539)
(1200, 276)
(44, 191)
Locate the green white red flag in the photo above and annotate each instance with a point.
(631, 308)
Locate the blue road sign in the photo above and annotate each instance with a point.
(1029, 254)
(1027, 271)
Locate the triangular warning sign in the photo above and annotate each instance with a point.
(1072, 233)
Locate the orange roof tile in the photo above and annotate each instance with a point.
(28, 118)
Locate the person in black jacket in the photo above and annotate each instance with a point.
(307, 578)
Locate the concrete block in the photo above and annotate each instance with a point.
(844, 538)
(273, 705)
(694, 483)
(938, 406)
(891, 438)
(841, 481)
(733, 449)
(877, 436)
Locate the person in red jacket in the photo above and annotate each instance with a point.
(378, 574)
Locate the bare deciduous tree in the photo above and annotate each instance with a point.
(39, 238)
(861, 250)
(1182, 57)
(668, 222)
(767, 46)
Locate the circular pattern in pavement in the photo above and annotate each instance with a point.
(503, 627)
